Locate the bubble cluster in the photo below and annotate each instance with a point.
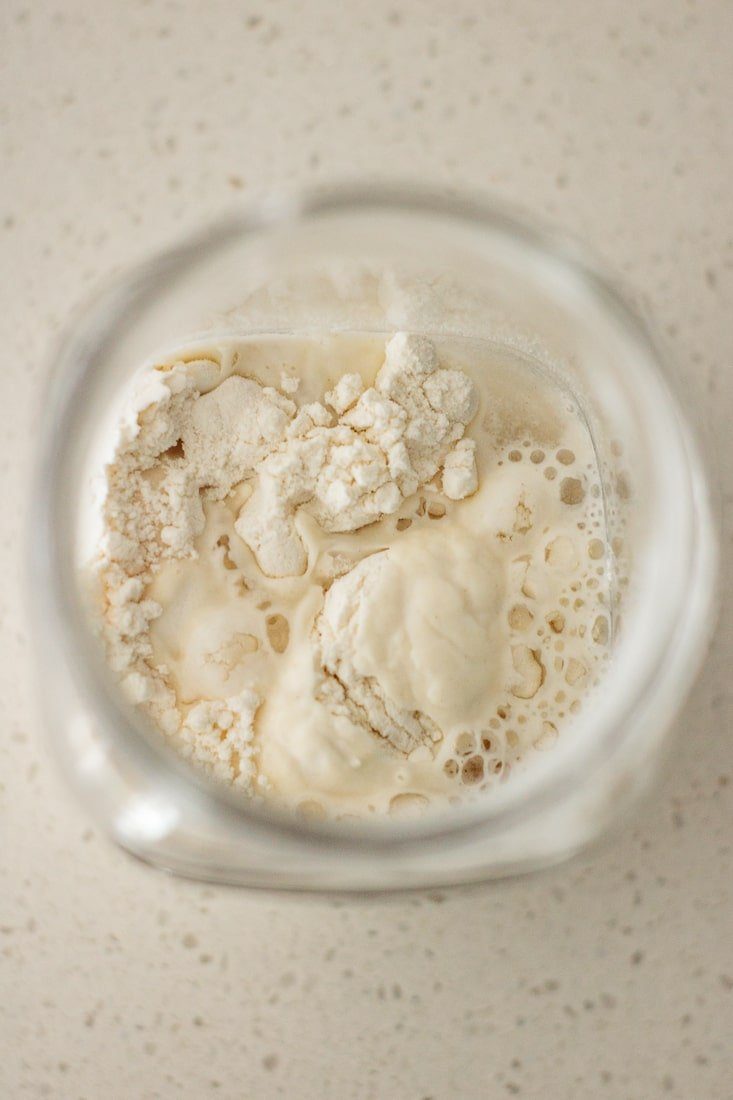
(559, 620)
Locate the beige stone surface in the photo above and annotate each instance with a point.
(123, 124)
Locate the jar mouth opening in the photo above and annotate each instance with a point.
(641, 677)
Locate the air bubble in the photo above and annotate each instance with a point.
(571, 490)
(278, 632)
(473, 770)
(547, 737)
(556, 622)
(223, 543)
(575, 671)
(408, 805)
(465, 744)
(520, 617)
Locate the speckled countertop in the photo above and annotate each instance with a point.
(612, 977)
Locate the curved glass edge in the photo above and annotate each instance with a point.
(169, 772)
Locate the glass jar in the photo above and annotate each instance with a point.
(375, 261)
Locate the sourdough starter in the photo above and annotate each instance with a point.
(353, 574)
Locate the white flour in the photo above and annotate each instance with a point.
(322, 592)
(387, 441)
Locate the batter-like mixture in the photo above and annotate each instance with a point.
(353, 574)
